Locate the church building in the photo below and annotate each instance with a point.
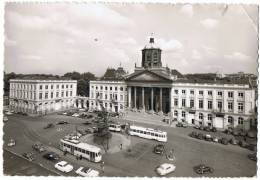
(155, 89)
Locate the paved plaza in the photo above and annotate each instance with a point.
(136, 157)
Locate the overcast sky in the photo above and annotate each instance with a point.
(59, 38)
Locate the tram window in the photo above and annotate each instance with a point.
(96, 154)
(68, 145)
(87, 152)
(152, 134)
(76, 148)
(148, 133)
(156, 135)
(141, 132)
(137, 131)
(83, 151)
(144, 132)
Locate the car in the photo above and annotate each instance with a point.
(87, 122)
(242, 133)
(64, 166)
(203, 169)
(179, 124)
(51, 156)
(200, 136)
(252, 156)
(233, 141)
(213, 129)
(29, 156)
(252, 146)
(201, 128)
(8, 113)
(87, 172)
(38, 147)
(193, 134)
(62, 122)
(243, 144)
(196, 127)
(207, 128)
(215, 139)
(251, 134)
(75, 115)
(64, 113)
(89, 130)
(11, 143)
(184, 125)
(5, 118)
(208, 137)
(50, 125)
(224, 141)
(229, 130)
(165, 169)
(159, 149)
(89, 116)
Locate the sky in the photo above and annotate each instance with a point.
(55, 38)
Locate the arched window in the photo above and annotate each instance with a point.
(200, 116)
(240, 120)
(230, 119)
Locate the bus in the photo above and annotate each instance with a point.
(114, 127)
(148, 133)
(80, 149)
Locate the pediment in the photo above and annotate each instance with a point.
(147, 77)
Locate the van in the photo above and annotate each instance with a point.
(114, 127)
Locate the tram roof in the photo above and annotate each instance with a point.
(147, 129)
(82, 145)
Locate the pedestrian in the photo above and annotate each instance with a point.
(80, 157)
(121, 146)
(77, 157)
(65, 152)
(102, 165)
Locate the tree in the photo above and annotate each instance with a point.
(73, 75)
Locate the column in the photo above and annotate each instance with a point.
(135, 98)
(143, 99)
(152, 110)
(129, 97)
(160, 103)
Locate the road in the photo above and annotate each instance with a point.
(227, 161)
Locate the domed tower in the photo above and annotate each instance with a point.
(151, 55)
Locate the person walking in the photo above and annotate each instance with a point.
(102, 165)
(121, 146)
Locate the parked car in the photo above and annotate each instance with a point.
(201, 128)
(50, 125)
(215, 139)
(243, 133)
(229, 130)
(213, 129)
(29, 156)
(251, 134)
(5, 118)
(193, 134)
(207, 128)
(165, 168)
(64, 166)
(235, 133)
(51, 156)
(62, 122)
(179, 124)
(252, 156)
(196, 127)
(8, 113)
(159, 149)
(224, 141)
(200, 136)
(87, 172)
(243, 144)
(38, 147)
(252, 147)
(89, 116)
(203, 169)
(208, 137)
(11, 143)
(233, 141)
(184, 125)
(75, 115)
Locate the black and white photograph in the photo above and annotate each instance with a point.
(123, 89)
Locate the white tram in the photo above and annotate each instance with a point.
(148, 133)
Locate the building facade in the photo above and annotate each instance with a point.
(153, 88)
(38, 97)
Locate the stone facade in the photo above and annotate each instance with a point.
(38, 97)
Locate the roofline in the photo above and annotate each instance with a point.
(43, 80)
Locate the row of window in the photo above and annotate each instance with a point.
(111, 88)
(148, 133)
(210, 117)
(22, 86)
(57, 86)
(79, 149)
(210, 104)
(219, 93)
(109, 96)
(106, 105)
(58, 94)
